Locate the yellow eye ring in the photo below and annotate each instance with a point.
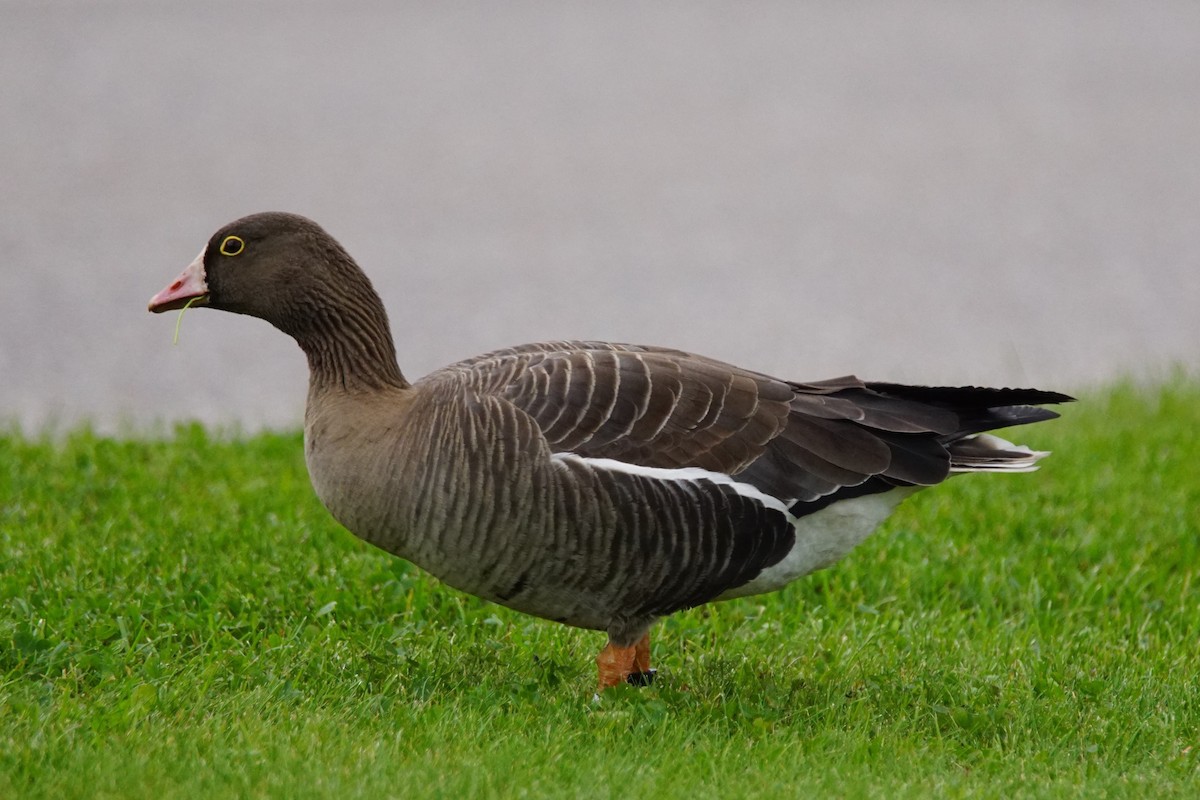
(232, 246)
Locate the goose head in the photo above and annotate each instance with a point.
(287, 270)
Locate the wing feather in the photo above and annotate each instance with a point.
(803, 442)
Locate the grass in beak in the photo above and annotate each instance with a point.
(179, 319)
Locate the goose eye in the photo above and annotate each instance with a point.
(232, 246)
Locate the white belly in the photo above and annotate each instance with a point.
(823, 538)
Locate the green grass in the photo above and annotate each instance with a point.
(182, 619)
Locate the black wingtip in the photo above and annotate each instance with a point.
(965, 397)
(1050, 397)
(1021, 415)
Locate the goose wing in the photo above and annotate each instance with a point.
(651, 407)
(800, 442)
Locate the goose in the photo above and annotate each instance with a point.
(595, 484)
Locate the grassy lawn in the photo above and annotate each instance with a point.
(182, 619)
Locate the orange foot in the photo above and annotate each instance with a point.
(620, 664)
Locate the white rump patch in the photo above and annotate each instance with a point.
(977, 460)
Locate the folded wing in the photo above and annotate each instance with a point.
(804, 443)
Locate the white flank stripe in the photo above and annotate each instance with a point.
(822, 538)
(688, 474)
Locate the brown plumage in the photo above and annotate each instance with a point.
(600, 485)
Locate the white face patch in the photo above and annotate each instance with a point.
(194, 271)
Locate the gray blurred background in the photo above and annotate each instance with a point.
(932, 192)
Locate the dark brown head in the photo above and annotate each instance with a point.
(287, 270)
(269, 265)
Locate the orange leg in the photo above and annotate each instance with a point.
(616, 664)
(641, 654)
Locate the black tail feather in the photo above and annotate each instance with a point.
(960, 398)
(980, 409)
